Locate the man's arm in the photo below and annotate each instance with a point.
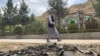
(51, 20)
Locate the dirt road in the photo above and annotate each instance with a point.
(43, 41)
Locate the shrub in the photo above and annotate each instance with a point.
(7, 28)
(72, 22)
(38, 28)
(27, 29)
(18, 30)
(61, 30)
(35, 28)
(73, 27)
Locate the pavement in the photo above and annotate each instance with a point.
(43, 41)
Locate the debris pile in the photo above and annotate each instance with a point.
(50, 50)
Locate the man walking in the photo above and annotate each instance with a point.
(52, 30)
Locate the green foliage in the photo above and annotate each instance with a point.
(92, 26)
(8, 15)
(72, 22)
(28, 29)
(35, 28)
(72, 27)
(14, 16)
(7, 28)
(31, 18)
(16, 20)
(38, 28)
(97, 8)
(23, 9)
(23, 12)
(18, 30)
(9, 5)
(0, 21)
(8, 10)
(61, 30)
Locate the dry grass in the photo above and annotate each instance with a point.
(14, 46)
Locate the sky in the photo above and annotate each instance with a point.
(38, 7)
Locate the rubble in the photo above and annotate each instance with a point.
(50, 50)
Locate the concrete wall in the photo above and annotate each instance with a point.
(93, 35)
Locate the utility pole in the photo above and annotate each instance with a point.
(81, 18)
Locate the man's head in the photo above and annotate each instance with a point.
(53, 12)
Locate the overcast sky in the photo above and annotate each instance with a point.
(38, 7)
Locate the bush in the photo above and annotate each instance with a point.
(35, 28)
(27, 29)
(18, 30)
(7, 28)
(61, 30)
(38, 28)
(72, 22)
(92, 26)
(73, 28)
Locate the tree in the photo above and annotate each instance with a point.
(15, 19)
(32, 17)
(23, 12)
(1, 29)
(59, 6)
(0, 19)
(9, 11)
(97, 8)
(8, 14)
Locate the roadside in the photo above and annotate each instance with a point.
(13, 44)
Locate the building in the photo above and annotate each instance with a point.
(78, 18)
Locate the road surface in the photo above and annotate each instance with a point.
(43, 41)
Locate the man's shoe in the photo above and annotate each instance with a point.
(48, 41)
(59, 40)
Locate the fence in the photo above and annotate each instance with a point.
(84, 27)
(71, 28)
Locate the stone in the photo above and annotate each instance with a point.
(70, 48)
(51, 53)
(60, 53)
(50, 50)
(68, 53)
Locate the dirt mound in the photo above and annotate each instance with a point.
(51, 50)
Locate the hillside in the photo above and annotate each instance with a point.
(86, 7)
(43, 17)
